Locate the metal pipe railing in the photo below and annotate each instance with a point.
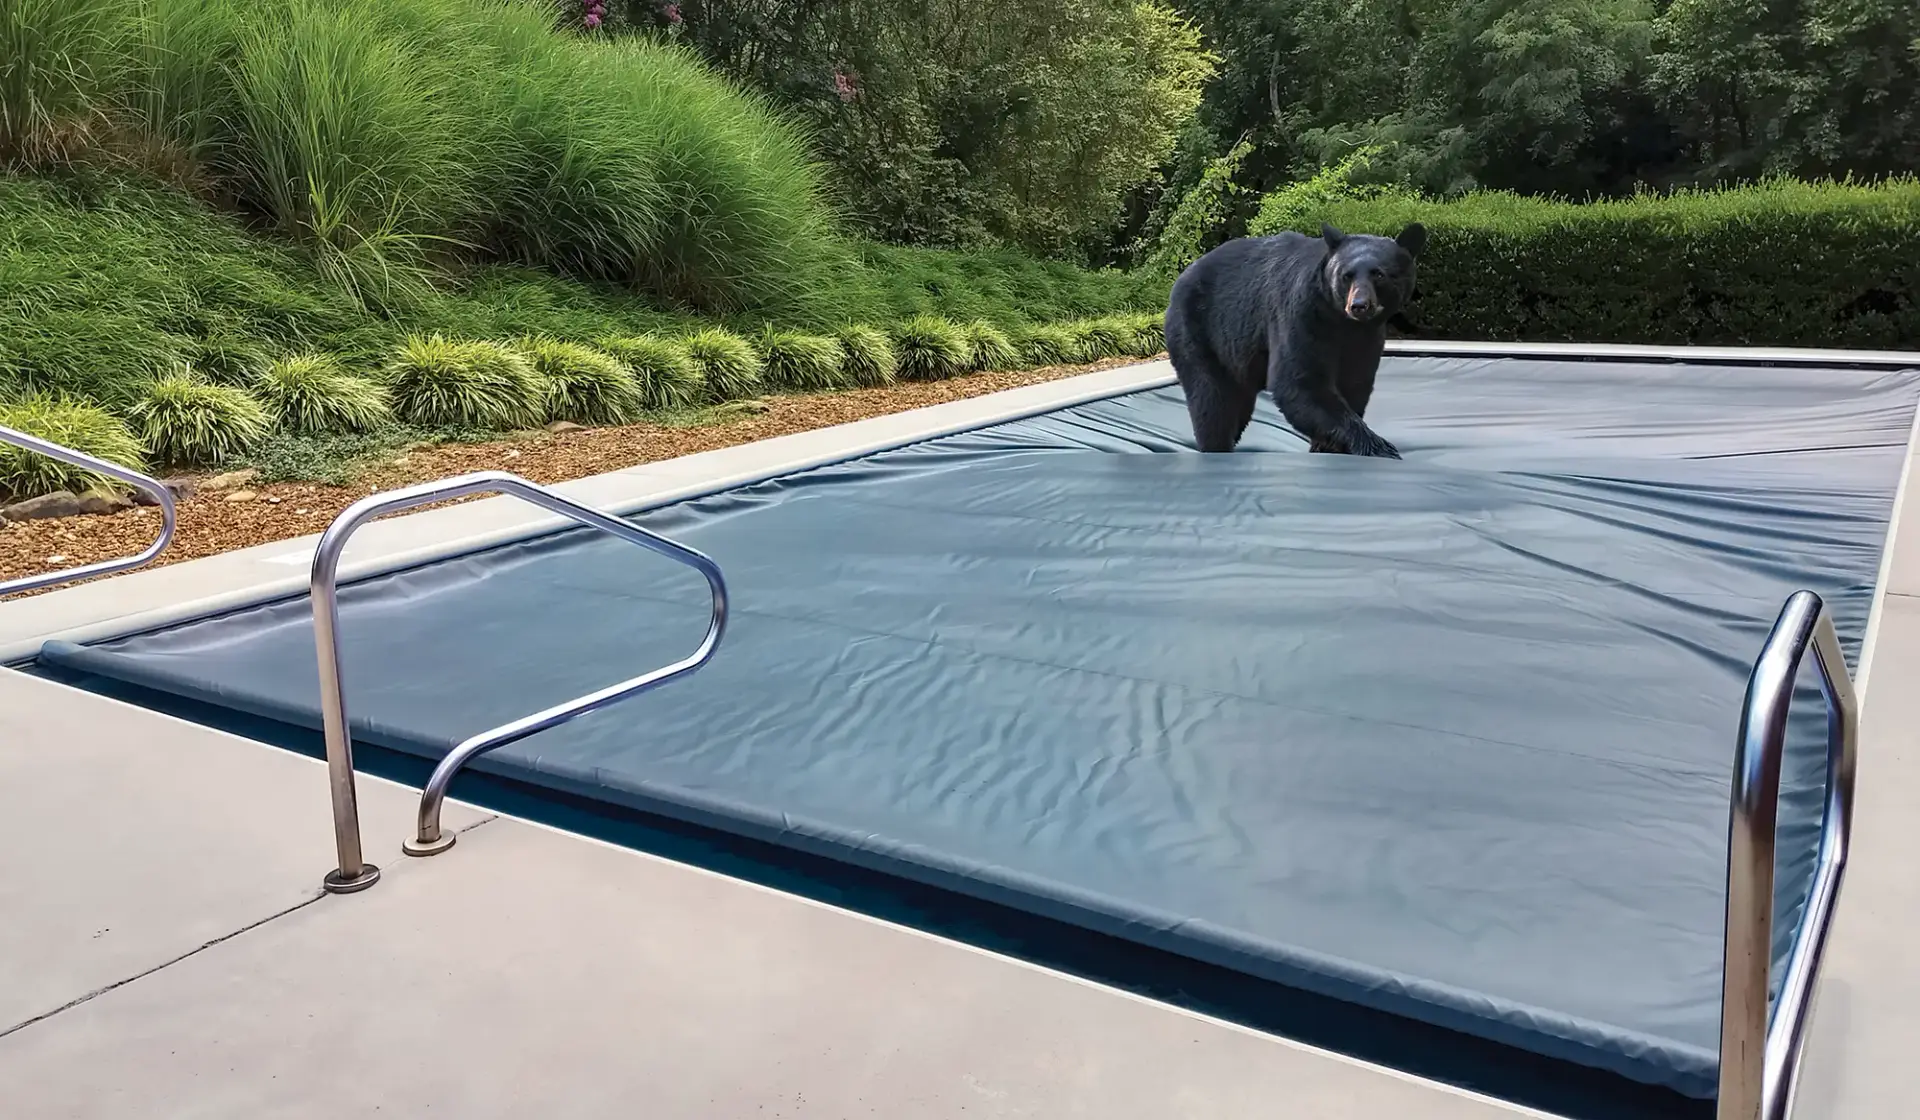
(162, 497)
(1760, 1048)
(354, 873)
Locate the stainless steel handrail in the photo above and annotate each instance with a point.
(1760, 1050)
(354, 873)
(162, 497)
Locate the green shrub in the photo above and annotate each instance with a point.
(1047, 344)
(312, 393)
(988, 346)
(1199, 220)
(1780, 264)
(930, 348)
(584, 385)
(437, 382)
(999, 285)
(186, 420)
(1099, 339)
(792, 360)
(93, 431)
(1148, 333)
(661, 368)
(58, 66)
(870, 356)
(727, 363)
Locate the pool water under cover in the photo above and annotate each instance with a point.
(1450, 737)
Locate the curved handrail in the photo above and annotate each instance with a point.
(354, 873)
(162, 497)
(1760, 1051)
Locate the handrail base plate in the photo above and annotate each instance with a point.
(414, 846)
(335, 883)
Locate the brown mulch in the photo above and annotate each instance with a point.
(208, 523)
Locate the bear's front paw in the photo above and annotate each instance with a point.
(1378, 448)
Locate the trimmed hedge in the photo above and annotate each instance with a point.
(1780, 264)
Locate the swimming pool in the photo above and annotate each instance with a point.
(1448, 738)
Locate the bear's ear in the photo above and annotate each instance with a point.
(1331, 236)
(1413, 239)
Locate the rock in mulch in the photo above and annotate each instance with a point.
(60, 503)
(180, 488)
(230, 480)
(64, 503)
(102, 502)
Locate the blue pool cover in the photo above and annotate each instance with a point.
(1449, 737)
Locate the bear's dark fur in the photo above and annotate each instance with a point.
(1304, 317)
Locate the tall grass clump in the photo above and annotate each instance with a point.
(870, 356)
(1048, 344)
(930, 348)
(439, 382)
(356, 138)
(186, 420)
(794, 360)
(312, 393)
(384, 133)
(988, 347)
(727, 363)
(584, 385)
(662, 370)
(62, 420)
(59, 64)
(740, 222)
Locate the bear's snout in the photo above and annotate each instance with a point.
(1361, 306)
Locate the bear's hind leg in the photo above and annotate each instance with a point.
(1220, 411)
(1219, 408)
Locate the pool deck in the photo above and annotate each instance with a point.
(165, 950)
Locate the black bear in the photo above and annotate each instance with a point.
(1305, 317)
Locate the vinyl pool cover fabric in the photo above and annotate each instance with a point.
(1450, 737)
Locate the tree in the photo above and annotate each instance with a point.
(1806, 87)
(950, 122)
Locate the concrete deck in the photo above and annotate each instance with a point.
(165, 951)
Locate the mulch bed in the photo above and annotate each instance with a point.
(210, 522)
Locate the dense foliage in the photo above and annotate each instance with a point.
(1576, 98)
(950, 121)
(386, 133)
(1783, 263)
(954, 123)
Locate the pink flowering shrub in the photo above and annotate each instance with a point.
(612, 16)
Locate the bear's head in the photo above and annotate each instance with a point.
(1371, 278)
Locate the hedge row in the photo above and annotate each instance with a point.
(1781, 264)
